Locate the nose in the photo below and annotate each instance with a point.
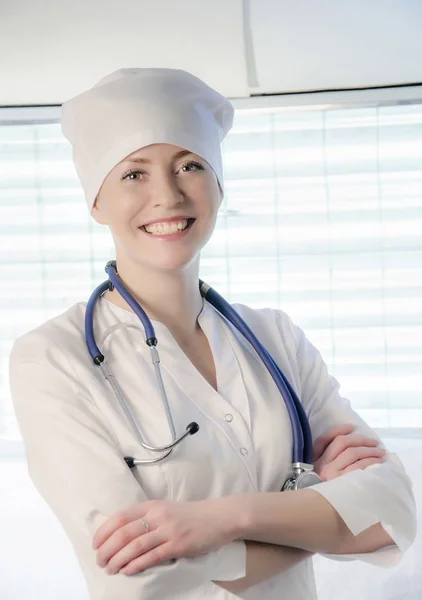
(165, 191)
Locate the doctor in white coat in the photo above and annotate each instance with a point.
(209, 521)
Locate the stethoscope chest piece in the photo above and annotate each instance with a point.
(303, 476)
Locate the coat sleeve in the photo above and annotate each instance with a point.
(76, 466)
(381, 493)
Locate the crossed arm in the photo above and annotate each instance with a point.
(312, 523)
(282, 529)
(337, 452)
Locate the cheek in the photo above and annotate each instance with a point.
(209, 195)
(124, 208)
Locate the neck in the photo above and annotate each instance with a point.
(172, 298)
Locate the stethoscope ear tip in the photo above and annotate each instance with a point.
(130, 461)
(110, 263)
(192, 428)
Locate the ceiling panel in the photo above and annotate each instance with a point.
(329, 44)
(53, 50)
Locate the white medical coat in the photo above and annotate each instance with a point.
(76, 436)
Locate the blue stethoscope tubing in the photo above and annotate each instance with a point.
(301, 431)
(302, 436)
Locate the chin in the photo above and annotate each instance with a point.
(172, 263)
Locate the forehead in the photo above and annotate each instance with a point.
(156, 152)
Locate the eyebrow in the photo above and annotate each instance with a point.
(139, 159)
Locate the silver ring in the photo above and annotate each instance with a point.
(145, 524)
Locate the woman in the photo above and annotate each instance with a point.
(146, 145)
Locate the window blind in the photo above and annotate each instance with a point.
(322, 218)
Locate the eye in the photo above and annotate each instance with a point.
(132, 174)
(191, 167)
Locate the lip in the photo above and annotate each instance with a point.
(168, 220)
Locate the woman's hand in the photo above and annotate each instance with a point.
(340, 451)
(174, 529)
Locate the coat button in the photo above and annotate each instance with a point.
(244, 451)
(228, 418)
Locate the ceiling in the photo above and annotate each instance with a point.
(52, 50)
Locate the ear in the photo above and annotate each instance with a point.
(221, 193)
(98, 214)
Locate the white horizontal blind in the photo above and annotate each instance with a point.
(322, 218)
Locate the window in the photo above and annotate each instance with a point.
(322, 218)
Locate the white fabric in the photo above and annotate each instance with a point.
(76, 435)
(133, 108)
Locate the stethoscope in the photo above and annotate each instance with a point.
(302, 475)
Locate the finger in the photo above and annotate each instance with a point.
(342, 442)
(352, 455)
(135, 549)
(117, 521)
(154, 557)
(324, 440)
(363, 464)
(118, 540)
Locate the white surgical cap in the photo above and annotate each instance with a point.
(133, 108)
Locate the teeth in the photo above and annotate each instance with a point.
(166, 228)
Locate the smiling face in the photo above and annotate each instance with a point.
(161, 205)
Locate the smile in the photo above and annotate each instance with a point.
(168, 228)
